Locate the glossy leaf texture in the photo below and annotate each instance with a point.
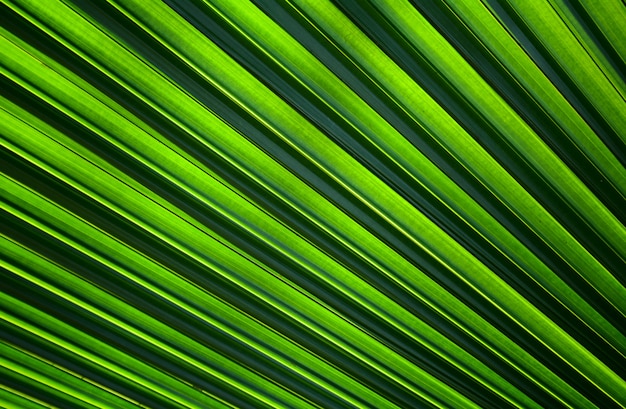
(312, 203)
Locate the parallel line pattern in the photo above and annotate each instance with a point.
(312, 203)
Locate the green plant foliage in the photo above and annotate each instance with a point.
(312, 203)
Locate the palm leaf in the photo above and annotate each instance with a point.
(312, 203)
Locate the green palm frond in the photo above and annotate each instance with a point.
(312, 203)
